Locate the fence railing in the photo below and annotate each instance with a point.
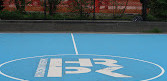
(73, 9)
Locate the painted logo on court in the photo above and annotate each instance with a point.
(56, 69)
(80, 67)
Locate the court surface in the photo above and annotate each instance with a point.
(82, 57)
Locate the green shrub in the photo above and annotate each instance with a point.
(14, 15)
(158, 8)
(155, 30)
(151, 17)
(33, 16)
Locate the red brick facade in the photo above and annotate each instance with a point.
(102, 6)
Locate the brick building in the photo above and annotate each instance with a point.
(102, 6)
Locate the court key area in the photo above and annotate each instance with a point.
(83, 57)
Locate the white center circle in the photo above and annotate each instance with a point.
(154, 64)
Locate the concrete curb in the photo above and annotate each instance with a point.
(61, 21)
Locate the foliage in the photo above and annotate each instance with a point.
(151, 17)
(53, 5)
(155, 30)
(118, 13)
(15, 15)
(20, 5)
(1, 5)
(33, 16)
(82, 7)
(158, 8)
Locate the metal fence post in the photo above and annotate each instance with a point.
(94, 11)
(144, 9)
(45, 9)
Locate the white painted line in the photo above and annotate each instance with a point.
(40, 72)
(161, 73)
(55, 67)
(75, 47)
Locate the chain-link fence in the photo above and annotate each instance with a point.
(71, 9)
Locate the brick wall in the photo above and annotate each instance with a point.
(102, 6)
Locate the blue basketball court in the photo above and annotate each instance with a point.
(83, 57)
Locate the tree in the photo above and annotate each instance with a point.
(118, 13)
(83, 7)
(53, 5)
(158, 8)
(1, 5)
(20, 5)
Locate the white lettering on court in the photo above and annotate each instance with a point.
(108, 71)
(107, 62)
(82, 62)
(78, 70)
(112, 67)
(55, 67)
(40, 72)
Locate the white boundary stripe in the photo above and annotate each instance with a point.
(162, 69)
(75, 47)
